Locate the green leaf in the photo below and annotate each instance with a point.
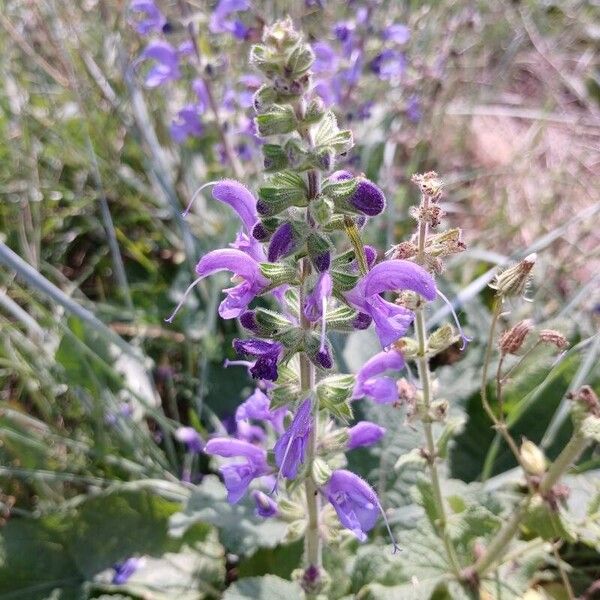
(546, 523)
(263, 588)
(240, 530)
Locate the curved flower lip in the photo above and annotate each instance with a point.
(370, 380)
(265, 506)
(230, 447)
(290, 448)
(236, 261)
(364, 433)
(239, 198)
(190, 437)
(317, 299)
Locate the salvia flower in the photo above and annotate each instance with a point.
(148, 17)
(364, 433)
(187, 124)
(237, 477)
(391, 321)
(372, 381)
(166, 63)
(221, 20)
(267, 353)
(191, 438)
(257, 407)
(290, 449)
(125, 569)
(354, 501)
(237, 299)
(265, 506)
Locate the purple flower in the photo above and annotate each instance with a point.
(371, 380)
(354, 501)
(125, 569)
(290, 448)
(265, 506)
(367, 197)
(238, 297)
(201, 92)
(166, 67)
(250, 433)
(149, 18)
(240, 198)
(389, 64)
(391, 320)
(267, 353)
(257, 406)
(364, 433)
(325, 57)
(187, 124)
(397, 33)
(316, 302)
(343, 30)
(220, 21)
(325, 91)
(413, 109)
(283, 242)
(237, 477)
(191, 438)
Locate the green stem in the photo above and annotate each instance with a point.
(570, 453)
(425, 378)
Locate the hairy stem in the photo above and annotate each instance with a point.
(425, 378)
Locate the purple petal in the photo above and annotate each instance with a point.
(290, 449)
(375, 367)
(229, 447)
(397, 33)
(239, 198)
(313, 309)
(236, 261)
(265, 506)
(368, 198)
(191, 438)
(364, 433)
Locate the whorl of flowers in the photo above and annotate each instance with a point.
(300, 243)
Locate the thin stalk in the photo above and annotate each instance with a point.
(563, 573)
(425, 378)
(307, 380)
(214, 107)
(570, 453)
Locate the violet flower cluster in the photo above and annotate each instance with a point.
(299, 243)
(171, 58)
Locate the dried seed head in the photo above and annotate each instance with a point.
(587, 398)
(532, 458)
(408, 299)
(551, 336)
(429, 184)
(403, 251)
(513, 280)
(431, 214)
(513, 339)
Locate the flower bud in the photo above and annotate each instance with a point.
(513, 339)
(274, 157)
(282, 34)
(334, 441)
(441, 339)
(290, 511)
(364, 433)
(320, 471)
(556, 338)
(265, 506)
(285, 241)
(248, 321)
(313, 580)
(319, 251)
(367, 198)
(295, 531)
(264, 97)
(407, 347)
(513, 280)
(321, 210)
(279, 119)
(314, 111)
(532, 458)
(362, 321)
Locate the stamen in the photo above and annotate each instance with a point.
(237, 363)
(323, 324)
(394, 542)
(465, 340)
(195, 195)
(183, 299)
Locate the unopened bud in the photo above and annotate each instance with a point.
(513, 280)
(513, 339)
(290, 511)
(551, 336)
(321, 472)
(334, 441)
(295, 530)
(441, 339)
(532, 458)
(313, 580)
(407, 346)
(281, 34)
